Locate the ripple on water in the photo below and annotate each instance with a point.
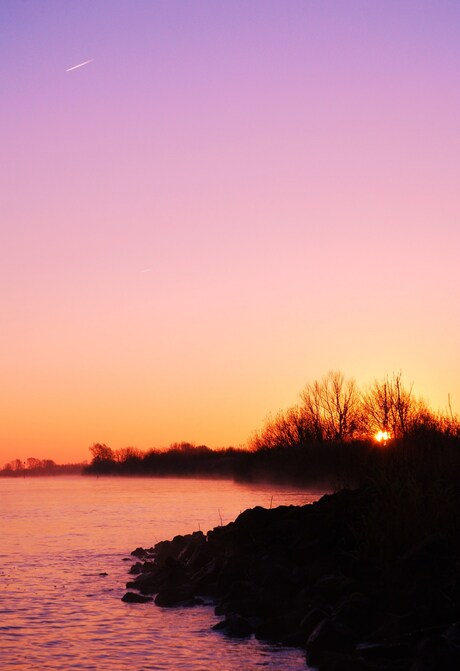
(58, 612)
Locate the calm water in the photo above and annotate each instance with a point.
(57, 610)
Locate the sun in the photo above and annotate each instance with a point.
(382, 436)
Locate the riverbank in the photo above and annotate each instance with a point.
(356, 581)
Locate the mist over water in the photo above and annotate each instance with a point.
(62, 574)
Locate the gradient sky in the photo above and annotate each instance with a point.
(231, 199)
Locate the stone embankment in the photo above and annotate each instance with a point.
(301, 576)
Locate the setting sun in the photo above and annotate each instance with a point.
(382, 436)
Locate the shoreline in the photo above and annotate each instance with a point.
(313, 577)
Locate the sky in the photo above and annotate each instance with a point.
(229, 200)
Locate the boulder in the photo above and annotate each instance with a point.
(330, 636)
(435, 653)
(132, 597)
(174, 596)
(235, 626)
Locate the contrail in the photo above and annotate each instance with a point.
(80, 65)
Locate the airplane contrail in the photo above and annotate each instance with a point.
(80, 65)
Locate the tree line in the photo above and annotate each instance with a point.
(337, 434)
(179, 459)
(335, 409)
(36, 467)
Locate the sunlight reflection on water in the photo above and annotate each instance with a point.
(57, 610)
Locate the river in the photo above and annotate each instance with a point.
(65, 548)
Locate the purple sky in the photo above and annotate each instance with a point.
(231, 199)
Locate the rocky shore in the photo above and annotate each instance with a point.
(306, 576)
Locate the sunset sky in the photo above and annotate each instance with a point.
(230, 199)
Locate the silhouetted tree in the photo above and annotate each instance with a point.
(103, 458)
(332, 407)
(289, 429)
(389, 406)
(128, 454)
(33, 463)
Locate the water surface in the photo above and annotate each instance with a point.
(58, 609)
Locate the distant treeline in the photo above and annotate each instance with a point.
(338, 435)
(179, 459)
(332, 464)
(33, 467)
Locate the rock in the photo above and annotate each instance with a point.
(174, 596)
(246, 607)
(386, 655)
(181, 547)
(193, 548)
(205, 577)
(194, 601)
(342, 661)
(329, 636)
(358, 613)
(310, 621)
(431, 557)
(138, 552)
(283, 628)
(136, 568)
(453, 635)
(132, 597)
(235, 626)
(146, 583)
(331, 588)
(141, 552)
(435, 653)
